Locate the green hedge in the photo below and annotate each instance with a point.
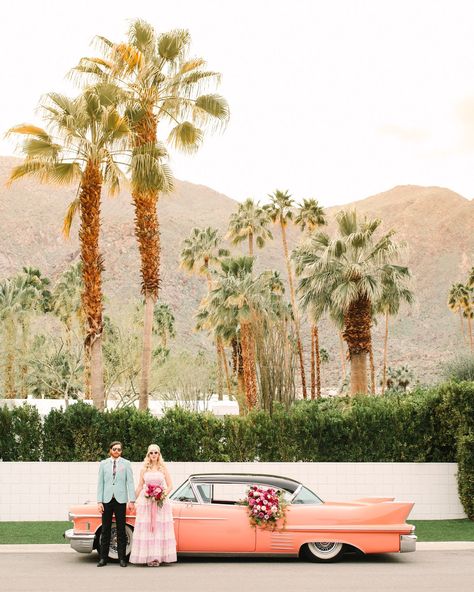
(430, 425)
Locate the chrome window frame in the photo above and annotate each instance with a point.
(182, 486)
(247, 483)
(297, 492)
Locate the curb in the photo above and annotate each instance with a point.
(64, 548)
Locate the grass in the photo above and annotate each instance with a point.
(444, 530)
(41, 533)
(33, 533)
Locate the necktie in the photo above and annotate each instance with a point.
(114, 470)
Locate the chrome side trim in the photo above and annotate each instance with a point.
(344, 528)
(197, 518)
(407, 543)
(241, 554)
(71, 517)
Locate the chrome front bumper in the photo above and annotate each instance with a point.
(82, 543)
(407, 543)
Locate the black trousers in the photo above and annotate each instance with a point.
(120, 510)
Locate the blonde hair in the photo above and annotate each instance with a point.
(147, 464)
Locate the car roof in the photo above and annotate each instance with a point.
(252, 478)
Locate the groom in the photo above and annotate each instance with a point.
(114, 489)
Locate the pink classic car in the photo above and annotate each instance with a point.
(210, 520)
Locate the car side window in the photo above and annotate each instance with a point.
(205, 491)
(185, 494)
(305, 496)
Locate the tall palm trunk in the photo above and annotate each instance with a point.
(342, 355)
(217, 340)
(92, 267)
(250, 373)
(220, 345)
(24, 365)
(385, 353)
(461, 318)
(372, 369)
(146, 351)
(251, 244)
(295, 311)
(357, 325)
(313, 366)
(148, 237)
(9, 372)
(469, 328)
(316, 362)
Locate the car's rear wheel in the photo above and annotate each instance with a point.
(322, 551)
(113, 550)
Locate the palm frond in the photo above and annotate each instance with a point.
(173, 44)
(29, 130)
(72, 210)
(186, 137)
(191, 65)
(211, 105)
(142, 35)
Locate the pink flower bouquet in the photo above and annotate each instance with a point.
(265, 506)
(156, 493)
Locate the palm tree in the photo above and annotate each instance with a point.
(310, 217)
(470, 280)
(250, 223)
(240, 297)
(163, 323)
(281, 212)
(67, 298)
(200, 253)
(394, 292)
(162, 86)
(458, 299)
(11, 307)
(35, 297)
(84, 146)
(67, 306)
(346, 273)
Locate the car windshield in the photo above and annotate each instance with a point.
(305, 496)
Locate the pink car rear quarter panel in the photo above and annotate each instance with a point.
(372, 528)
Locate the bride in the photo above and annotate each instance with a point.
(153, 538)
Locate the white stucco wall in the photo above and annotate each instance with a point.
(44, 490)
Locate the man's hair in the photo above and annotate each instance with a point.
(115, 443)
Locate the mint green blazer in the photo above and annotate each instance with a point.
(122, 488)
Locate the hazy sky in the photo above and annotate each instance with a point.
(336, 100)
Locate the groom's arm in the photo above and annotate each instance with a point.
(130, 484)
(100, 484)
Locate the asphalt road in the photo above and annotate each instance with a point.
(432, 571)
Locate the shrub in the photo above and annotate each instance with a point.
(82, 437)
(465, 457)
(6, 433)
(26, 434)
(460, 369)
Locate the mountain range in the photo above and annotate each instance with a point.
(436, 223)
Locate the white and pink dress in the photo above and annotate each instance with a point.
(153, 537)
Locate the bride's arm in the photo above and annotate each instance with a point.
(169, 482)
(141, 482)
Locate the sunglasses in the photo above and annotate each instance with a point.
(116, 450)
(154, 452)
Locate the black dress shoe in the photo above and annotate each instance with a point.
(123, 563)
(101, 563)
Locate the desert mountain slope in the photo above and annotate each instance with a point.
(436, 223)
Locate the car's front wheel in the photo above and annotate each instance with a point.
(322, 551)
(113, 550)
